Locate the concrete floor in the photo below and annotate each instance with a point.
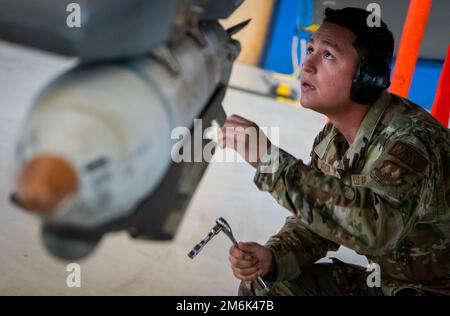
(121, 265)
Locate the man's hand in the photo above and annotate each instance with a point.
(250, 260)
(245, 137)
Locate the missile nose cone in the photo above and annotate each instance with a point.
(45, 181)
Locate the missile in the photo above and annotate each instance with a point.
(94, 154)
(108, 29)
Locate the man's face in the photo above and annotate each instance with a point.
(328, 70)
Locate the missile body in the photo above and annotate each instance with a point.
(97, 142)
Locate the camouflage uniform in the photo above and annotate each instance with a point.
(386, 196)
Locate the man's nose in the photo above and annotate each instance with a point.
(308, 66)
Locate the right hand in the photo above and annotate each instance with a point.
(244, 137)
(250, 260)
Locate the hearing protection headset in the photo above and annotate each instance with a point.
(372, 76)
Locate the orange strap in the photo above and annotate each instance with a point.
(408, 51)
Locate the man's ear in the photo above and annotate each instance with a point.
(372, 77)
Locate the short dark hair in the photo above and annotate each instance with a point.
(370, 41)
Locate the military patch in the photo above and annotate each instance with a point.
(408, 155)
(389, 173)
(359, 180)
(324, 166)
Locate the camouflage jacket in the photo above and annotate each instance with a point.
(386, 196)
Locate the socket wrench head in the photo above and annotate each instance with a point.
(226, 228)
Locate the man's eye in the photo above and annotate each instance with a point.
(309, 50)
(328, 55)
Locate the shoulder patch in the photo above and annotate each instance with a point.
(389, 173)
(408, 155)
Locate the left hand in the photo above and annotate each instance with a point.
(249, 260)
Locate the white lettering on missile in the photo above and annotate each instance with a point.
(74, 18)
(74, 277)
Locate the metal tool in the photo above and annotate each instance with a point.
(222, 225)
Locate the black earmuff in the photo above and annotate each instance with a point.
(371, 78)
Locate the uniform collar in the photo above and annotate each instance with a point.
(356, 152)
(322, 147)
